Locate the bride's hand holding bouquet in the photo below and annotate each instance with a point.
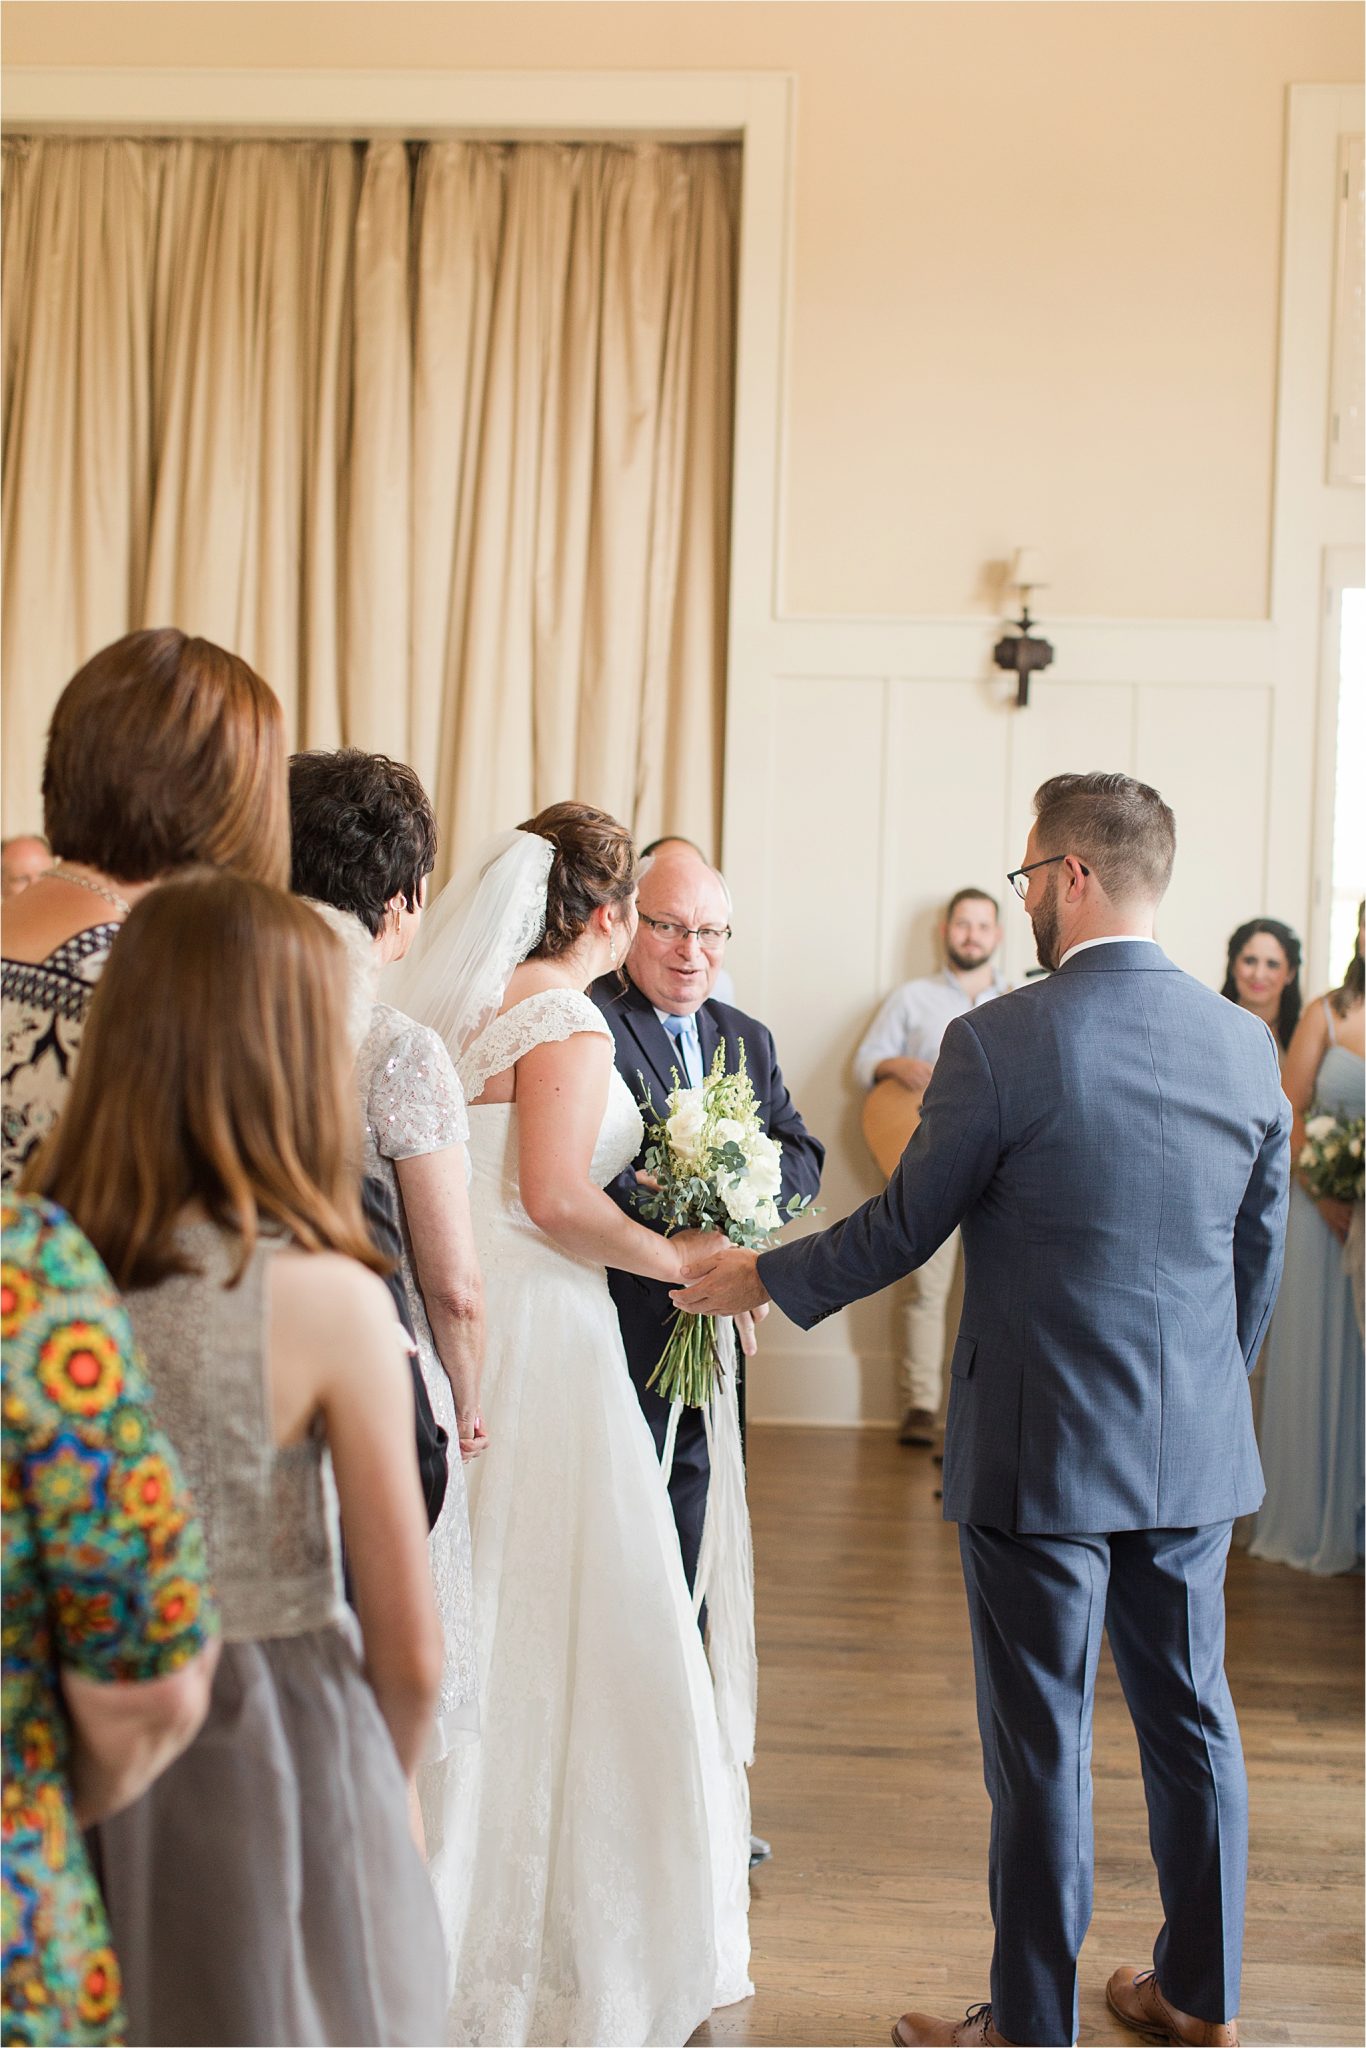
(696, 1249)
(702, 1252)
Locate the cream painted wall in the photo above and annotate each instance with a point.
(1064, 333)
(1034, 262)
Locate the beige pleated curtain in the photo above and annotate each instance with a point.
(438, 436)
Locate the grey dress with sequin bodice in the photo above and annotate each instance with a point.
(266, 1888)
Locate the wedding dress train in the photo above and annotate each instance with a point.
(590, 1854)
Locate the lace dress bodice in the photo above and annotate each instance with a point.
(543, 1019)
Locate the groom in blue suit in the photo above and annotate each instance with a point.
(1114, 1143)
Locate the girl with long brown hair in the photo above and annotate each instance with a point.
(267, 1887)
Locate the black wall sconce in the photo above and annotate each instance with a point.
(1023, 653)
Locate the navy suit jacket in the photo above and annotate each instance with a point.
(644, 1048)
(1114, 1144)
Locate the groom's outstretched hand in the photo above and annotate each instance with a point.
(726, 1284)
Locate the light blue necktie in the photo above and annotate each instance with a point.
(683, 1032)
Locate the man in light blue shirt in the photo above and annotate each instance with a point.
(902, 1045)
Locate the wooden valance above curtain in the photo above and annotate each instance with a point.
(438, 436)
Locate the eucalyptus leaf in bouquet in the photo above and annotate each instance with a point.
(714, 1167)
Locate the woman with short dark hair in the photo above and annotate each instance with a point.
(362, 832)
(164, 752)
(364, 840)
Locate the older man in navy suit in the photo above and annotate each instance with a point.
(1114, 1143)
(665, 1021)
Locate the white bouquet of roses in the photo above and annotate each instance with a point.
(713, 1167)
(1331, 1158)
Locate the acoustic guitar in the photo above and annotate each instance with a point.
(890, 1115)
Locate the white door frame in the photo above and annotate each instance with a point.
(1314, 521)
(1344, 568)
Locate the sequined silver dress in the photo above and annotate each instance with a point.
(413, 1104)
(266, 1887)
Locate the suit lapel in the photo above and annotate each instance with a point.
(657, 1054)
(708, 1037)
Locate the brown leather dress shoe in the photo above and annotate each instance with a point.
(1135, 1997)
(923, 2030)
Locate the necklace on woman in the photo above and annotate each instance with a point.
(60, 872)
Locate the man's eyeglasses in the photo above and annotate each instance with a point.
(1018, 878)
(710, 937)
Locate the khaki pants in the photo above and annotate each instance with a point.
(923, 1318)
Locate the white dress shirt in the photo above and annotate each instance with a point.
(912, 1022)
(1110, 939)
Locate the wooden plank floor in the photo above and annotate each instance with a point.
(868, 1778)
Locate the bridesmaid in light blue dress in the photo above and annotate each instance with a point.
(1312, 1409)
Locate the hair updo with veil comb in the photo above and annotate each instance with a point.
(594, 866)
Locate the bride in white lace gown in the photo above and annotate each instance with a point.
(590, 1855)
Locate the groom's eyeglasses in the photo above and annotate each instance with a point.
(1018, 878)
(710, 937)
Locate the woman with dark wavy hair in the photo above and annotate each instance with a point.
(364, 841)
(1263, 975)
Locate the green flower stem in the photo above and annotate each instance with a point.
(687, 1370)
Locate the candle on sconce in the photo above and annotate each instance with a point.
(1027, 570)
(1022, 651)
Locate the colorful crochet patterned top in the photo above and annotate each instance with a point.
(104, 1574)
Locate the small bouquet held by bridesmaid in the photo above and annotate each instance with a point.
(1331, 1158)
(713, 1167)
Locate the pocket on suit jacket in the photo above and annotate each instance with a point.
(964, 1351)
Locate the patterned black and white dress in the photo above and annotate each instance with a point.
(42, 1016)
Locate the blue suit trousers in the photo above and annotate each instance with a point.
(1038, 1606)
